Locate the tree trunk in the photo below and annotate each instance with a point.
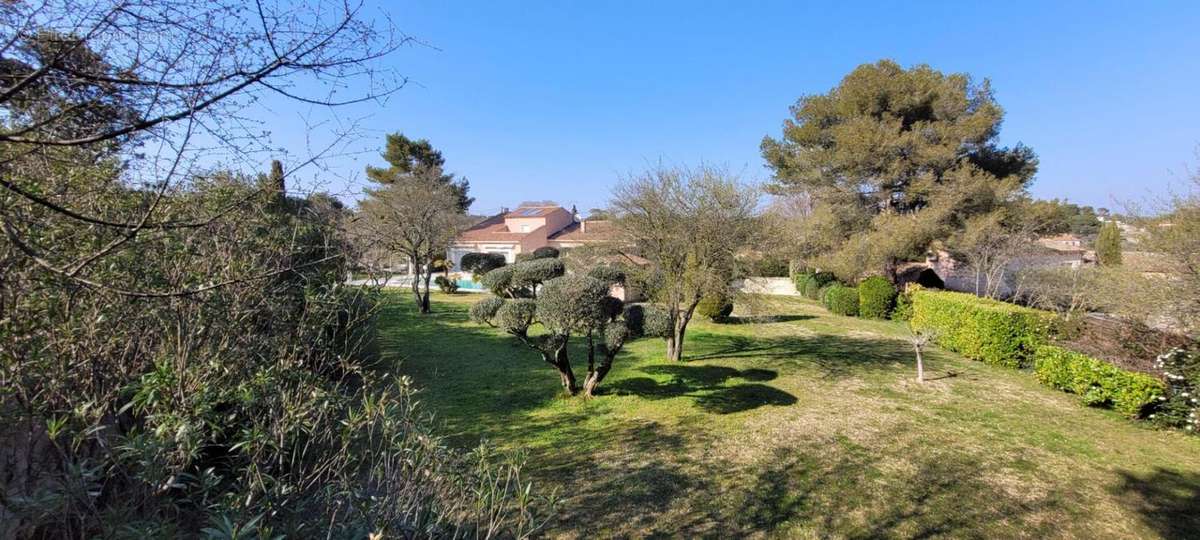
(920, 365)
(421, 302)
(425, 296)
(679, 331)
(563, 364)
(594, 378)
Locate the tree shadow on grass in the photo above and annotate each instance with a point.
(835, 356)
(765, 319)
(1168, 501)
(709, 386)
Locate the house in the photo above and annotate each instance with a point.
(511, 233)
(1062, 242)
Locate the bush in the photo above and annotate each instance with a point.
(448, 286)
(799, 278)
(545, 252)
(1097, 382)
(813, 284)
(608, 274)
(903, 309)
(1181, 406)
(995, 332)
(842, 300)
(768, 267)
(647, 320)
(479, 264)
(876, 297)
(716, 308)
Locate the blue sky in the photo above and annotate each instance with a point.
(557, 100)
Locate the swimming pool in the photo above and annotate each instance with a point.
(468, 284)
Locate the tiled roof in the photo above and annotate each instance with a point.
(593, 231)
(532, 211)
(491, 230)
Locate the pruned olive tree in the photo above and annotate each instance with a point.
(689, 224)
(563, 306)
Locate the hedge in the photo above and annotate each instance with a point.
(842, 300)
(876, 297)
(1097, 382)
(813, 283)
(982, 329)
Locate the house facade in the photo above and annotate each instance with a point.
(524, 229)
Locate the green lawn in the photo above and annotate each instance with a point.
(808, 426)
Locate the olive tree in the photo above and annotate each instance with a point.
(689, 224)
(565, 305)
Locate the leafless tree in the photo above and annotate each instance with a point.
(690, 224)
(919, 340)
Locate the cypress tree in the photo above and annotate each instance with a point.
(1108, 245)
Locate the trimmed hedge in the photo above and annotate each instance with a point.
(995, 332)
(813, 283)
(876, 298)
(1097, 382)
(842, 300)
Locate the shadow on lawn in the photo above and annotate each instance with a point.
(1168, 501)
(835, 356)
(764, 319)
(709, 386)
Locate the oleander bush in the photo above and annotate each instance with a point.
(1097, 382)
(876, 298)
(1180, 408)
(842, 300)
(995, 332)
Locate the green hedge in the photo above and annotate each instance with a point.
(716, 308)
(1096, 381)
(842, 300)
(981, 329)
(813, 283)
(876, 297)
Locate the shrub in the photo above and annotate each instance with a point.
(903, 309)
(876, 297)
(716, 308)
(545, 252)
(1181, 406)
(768, 267)
(814, 283)
(799, 278)
(479, 264)
(1097, 382)
(608, 274)
(447, 285)
(842, 300)
(995, 332)
(647, 320)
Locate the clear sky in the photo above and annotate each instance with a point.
(557, 100)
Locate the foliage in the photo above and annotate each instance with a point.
(1097, 382)
(873, 204)
(903, 310)
(1181, 406)
(565, 305)
(611, 275)
(1066, 217)
(545, 252)
(479, 264)
(716, 308)
(995, 332)
(798, 279)
(412, 216)
(841, 300)
(447, 285)
(813, 284)
(876, 298)
(688, 224)
(1108, 245)
(521, 279)
(767, 266)
(647, 320)
(408, 157)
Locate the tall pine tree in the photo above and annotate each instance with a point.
(407, 156)
(1108, 245)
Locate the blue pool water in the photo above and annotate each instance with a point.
(468, 284)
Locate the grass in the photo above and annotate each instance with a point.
(809, 425)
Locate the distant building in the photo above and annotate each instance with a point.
(527, 228)
(1062, 242)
